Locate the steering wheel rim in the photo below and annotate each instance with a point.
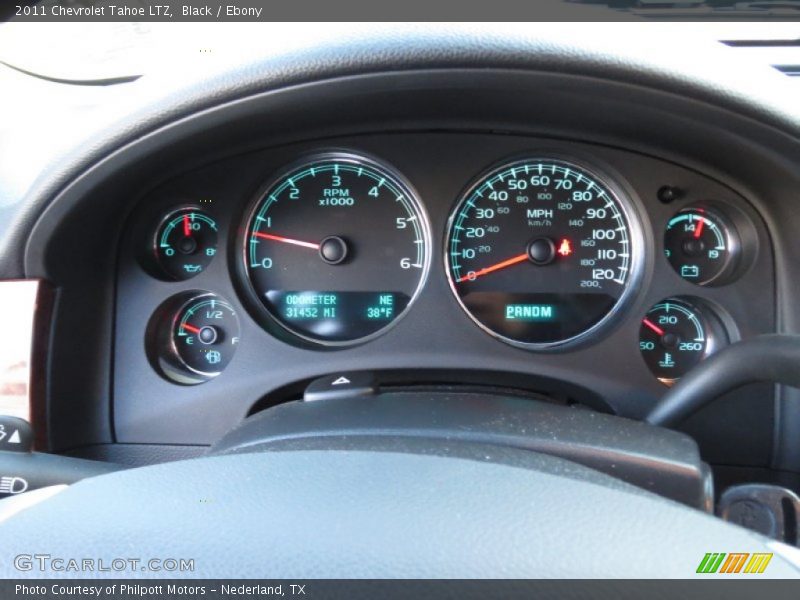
(376, 508)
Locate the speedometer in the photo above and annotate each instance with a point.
(541, 252)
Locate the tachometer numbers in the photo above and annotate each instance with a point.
(336, 249)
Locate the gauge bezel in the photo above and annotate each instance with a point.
(157, 233)
(629, 210)
(160, 346)
(720, 328)
(262, 313)
(173, 347)
(712, 343)
(732, 238)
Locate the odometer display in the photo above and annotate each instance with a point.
(539, 252)
(336, 248)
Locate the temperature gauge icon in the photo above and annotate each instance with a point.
(196, 337)
(676, 335)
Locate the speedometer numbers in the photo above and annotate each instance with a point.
(336, 249)
(542, 252)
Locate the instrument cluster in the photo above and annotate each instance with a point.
(541, 250)
(571, 269)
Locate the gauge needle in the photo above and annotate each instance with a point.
(653, 326)
(187, 227)
(285, 240)
(501, 265)
(698, 231)
(188, 327)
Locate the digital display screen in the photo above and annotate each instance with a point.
(538, 317)
(530, 312)
(336, 315)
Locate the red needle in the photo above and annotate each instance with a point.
(501, 265)
(653, 326)
(285, 240)
(190, 328)
(187, 227)
(698, 231)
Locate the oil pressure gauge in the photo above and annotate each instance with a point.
(185, 243)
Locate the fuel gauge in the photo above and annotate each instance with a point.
(195, 337)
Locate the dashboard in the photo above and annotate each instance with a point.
(583, 222)
(588, 272)
(521, 255)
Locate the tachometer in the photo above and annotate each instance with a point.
(336, 248)
(542, 251)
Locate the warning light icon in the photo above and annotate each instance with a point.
(565, 248)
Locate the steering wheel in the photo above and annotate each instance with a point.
(393, 500)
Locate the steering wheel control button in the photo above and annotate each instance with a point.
(16, 435)
(341, 385)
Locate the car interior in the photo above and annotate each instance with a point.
(402, 300)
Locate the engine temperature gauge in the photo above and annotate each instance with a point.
(675, 336)
(700, 246)
(196, 337)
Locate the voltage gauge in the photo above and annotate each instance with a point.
(701, 246)
(185, 243)
(675, 335)
(196, 336)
